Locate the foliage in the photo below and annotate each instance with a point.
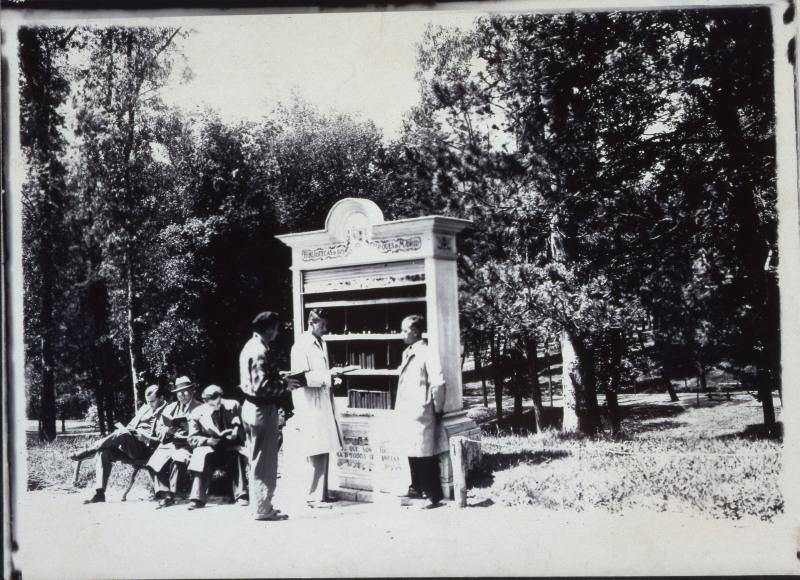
(595, 153)
(167, 219)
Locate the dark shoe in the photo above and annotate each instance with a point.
(195, 504)
(412, 493)
(272, 516)
(98, 497)
(430, 504)
(165, 502)
(81, 455)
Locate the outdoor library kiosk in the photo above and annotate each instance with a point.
(370, 274)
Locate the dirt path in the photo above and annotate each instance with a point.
(61, 538)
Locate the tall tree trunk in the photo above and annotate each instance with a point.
(613, 412)
(701, 377)
(570, 385)
(517, 395)
(133, 342)
(98, 402)
(497, 373)
(592, 423)
(97, 308)
(581, 411)
(482, 373)
(617, 349)
(110, 402)
(47, 405)
(536, 392)
(547, 365)
(767, 405)
(673, 396)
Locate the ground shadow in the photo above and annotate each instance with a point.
(639, 413)
(525, 423)
(483, 503)
(659, 425)
(756, 432)
(483, 475)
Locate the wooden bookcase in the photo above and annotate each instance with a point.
(369, 274)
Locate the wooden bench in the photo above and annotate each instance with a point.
(136, 464)
(724, 388)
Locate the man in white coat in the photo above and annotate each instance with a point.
(418, 409)
(316, 432)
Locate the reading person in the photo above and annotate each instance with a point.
(316, 431)
(169, 460)
(216, 437)
(263, 388)
(418, 410)
(134, 441)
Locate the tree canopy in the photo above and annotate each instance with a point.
(616, 167)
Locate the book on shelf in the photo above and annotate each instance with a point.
(360, 399)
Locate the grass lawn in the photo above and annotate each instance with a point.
(677, 457)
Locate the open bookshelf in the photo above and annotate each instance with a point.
(364, 324)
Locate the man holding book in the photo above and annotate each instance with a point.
(264, 391)
(135, 440)
(170, 459)
(316, 432)
(216, 436)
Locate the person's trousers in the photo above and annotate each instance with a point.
(319, 477)
(108, 448)
(165, 482)
(425, 476)
(233, 462)
(263, 439)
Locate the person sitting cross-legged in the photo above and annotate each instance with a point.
(168, 462)
(216, 436)
(135, 440)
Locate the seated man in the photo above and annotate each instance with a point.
(217, 437)
(168, 462)
(136, 440)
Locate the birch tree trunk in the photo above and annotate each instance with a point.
(133, 343)
(570, 385)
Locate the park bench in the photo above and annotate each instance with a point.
(723, 389)
(117, 457)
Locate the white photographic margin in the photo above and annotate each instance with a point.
(606, 556)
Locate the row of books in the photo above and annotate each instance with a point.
(366, 360)
(369, 399)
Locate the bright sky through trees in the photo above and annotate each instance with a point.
(355, 62)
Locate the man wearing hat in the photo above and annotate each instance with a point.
(134, 441)
(216, 436)
(168, 462)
